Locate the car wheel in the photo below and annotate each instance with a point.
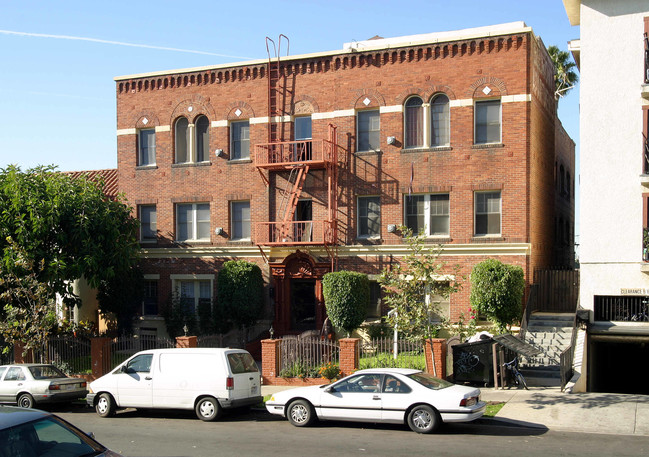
(208, 409)
(105, 405)
(300, 413)
(25, 401)
(423, 419)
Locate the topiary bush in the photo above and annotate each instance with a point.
(497, 292)
(240, 288)
(346, 295)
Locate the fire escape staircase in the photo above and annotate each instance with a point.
(297, 157)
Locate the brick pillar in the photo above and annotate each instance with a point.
(100, 356)
(436, 353)
(186, 342)
(269, 360)
(348, 355)
(28, 356)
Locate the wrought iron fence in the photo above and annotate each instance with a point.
(70, 353)
(210, 341)
(125, 346)
(380, 353)
(303, 357)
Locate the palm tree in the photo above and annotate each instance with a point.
(564, 76)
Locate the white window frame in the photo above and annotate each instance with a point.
(233, 139)
(368, 132)
(358, 217)
(139, 214)
(242, 221)
(477, 103)
(140, 155)
(178, 279)
(475, 214)
(195, 222)
(427, 210)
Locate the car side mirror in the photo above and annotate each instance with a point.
(330, 389)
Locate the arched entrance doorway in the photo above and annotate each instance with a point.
(299, 304)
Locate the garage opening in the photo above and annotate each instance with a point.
(616, 364)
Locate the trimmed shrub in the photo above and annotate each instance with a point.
(240, 288)
(497, 291)
(347, 296)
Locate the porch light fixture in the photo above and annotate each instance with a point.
(218, 152)
(218, 230)
(392, 228)
(392, 140)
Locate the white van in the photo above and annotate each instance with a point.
(206, 380)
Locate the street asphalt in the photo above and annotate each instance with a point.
(549, 408)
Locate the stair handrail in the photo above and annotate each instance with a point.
(531, 305)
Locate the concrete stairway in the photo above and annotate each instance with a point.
(551, 334)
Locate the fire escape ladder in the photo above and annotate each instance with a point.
(296, 191)
(276, 89)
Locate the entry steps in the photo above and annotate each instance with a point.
(551, 333)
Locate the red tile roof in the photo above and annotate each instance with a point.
(109, 176)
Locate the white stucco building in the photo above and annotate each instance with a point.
(614, 180)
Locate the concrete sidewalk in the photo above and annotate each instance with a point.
(548, 407)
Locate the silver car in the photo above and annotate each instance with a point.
(30, 432)
(30, 383)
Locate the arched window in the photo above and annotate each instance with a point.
(202, 138)
(414, 120)
(440, 121)
(182, 140)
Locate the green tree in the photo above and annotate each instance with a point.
(27, 307)
(410, 288)
(120, 297)
(66, 225)
(346, 296)
(240, 288)
(497, 292)
(565, 77)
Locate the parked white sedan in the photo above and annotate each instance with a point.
(390, 395)
(28, 383)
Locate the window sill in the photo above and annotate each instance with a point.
(488, 146)
(427, 149)
(237, 161)
(487, 238)
(191, 164)
(368, 153)
(191, 242)
(146, 167)
(149, 242)
(369, 240)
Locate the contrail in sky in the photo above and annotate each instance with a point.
(119, 43)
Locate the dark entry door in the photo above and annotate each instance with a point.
(303, 304)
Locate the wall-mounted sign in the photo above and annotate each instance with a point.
(638, 291)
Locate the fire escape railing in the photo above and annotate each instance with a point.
(295, 233)
(287, 153)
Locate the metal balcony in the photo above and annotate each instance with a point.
(288, 154)
(297, 233)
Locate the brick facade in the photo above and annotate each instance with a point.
(512, 67)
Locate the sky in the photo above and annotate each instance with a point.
(58, 58)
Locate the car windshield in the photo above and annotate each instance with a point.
(47, 436)
(429, 381)
(46, 372)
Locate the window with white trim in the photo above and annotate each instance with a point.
(440, 121)
(240, 140)
(487, 121)
(368, 135)
(487, 213)
(428, 214)
(414, 123)
(240, 213)
(146, 147)
(192, 141)
(193, 292)
(369, 217)
(148, 223)
(150, 297)
(193, 222)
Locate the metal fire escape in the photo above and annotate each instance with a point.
(295, 158)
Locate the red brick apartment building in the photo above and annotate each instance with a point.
(307, 164)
